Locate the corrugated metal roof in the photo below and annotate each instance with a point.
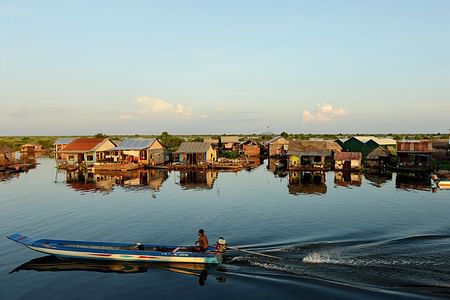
(193, 147)
(63, 141)
(135, 144)
(384, 141)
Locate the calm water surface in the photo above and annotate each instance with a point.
(338, 237)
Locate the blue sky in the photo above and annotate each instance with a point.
(200, 67)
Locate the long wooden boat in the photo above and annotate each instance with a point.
(119, 251)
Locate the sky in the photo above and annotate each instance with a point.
(222, 67)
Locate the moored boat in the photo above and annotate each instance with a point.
(120, 251)
(443, 184)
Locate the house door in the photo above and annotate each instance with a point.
(80, 157)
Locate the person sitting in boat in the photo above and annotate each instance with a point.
(202, 242)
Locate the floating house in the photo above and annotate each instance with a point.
(193, 153)
(366, 144)
(147, 152)
(229, 143)
(31, 148)
(303, 155)
(349, 161)
(88, 151)
(251, 149)
(441, 149)
(277, 146)
(59, 145)
(380, 157)
(414, 155)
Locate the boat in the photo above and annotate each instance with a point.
(443, 184)
(131, 252)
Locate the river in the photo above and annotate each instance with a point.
(368, 236)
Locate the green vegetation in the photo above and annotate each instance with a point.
(229, 154)
(172, 142)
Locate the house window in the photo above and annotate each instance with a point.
(71, 157)
(90, 157)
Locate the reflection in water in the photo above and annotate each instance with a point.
(54, 264)
(406, 182)
(307, 182)
(277, 167)
(377, 178)
(347, 178)
(104, 181)
(197, 179)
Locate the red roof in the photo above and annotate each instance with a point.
(83, 144)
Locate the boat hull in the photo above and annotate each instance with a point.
(117, 251)
(444, 184)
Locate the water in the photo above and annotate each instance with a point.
(338, 236)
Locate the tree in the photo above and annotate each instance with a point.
(285, 134)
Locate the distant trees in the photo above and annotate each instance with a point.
(170, 141)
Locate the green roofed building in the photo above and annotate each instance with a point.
(367, 144)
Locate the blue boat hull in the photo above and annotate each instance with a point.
(118, 251)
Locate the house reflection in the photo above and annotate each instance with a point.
(204, 179)
(307, 182)
(405, 181)
(104, 181)
(377, 178)
(53, 264)
(277, 167)
(347, 178)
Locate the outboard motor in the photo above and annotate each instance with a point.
(221, 245)
(139, 246)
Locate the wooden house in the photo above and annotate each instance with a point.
(193, 153)
(31, 148)
(310, 154)
(229, 143)
(277, 146)
(366, 144)
(59, 145)
(347, 161)
(147, 152)
(7, 156)
(414, 155)
(380, 157)
(88, 150)
(251, 149)
(441, 149)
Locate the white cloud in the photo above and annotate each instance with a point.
(162, 108)
(324, 113)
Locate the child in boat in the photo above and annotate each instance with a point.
(202, 242)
